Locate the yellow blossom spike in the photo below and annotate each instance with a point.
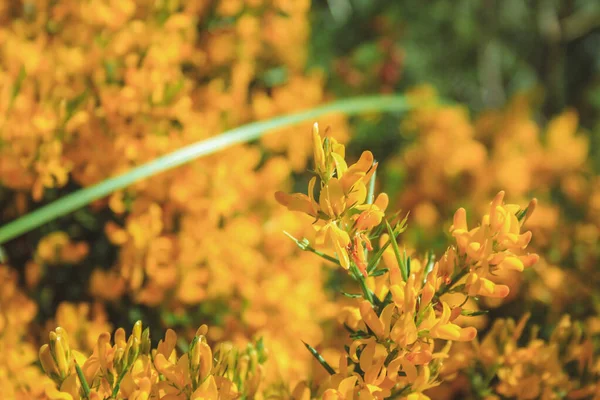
(318, 153)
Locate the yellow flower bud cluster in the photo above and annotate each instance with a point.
(401, 328)
(537, 368)
(455, 160)
(131, 369)
(343, 212)
(88, 91)
(405, 332)
(495, 245)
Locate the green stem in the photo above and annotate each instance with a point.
(319, 358)
(371, 197)
(84, 385)
(363, 284)
(305, 246)
(445, 288)
(117, 387)
(186, 154)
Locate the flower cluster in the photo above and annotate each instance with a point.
(506, 149)
(346, 219)
(130, 369)
(410, 333)
(402, 325)
(495, 245)
(90, 91)
(521, 365)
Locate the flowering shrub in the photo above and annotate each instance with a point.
(358, 300)
(400, 327)
(90, 91)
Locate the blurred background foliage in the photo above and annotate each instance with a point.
(478, 53)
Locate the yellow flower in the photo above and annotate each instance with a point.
(300, 201)
(497, 244)
(442, 328)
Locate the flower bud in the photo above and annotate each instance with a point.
(145, 344)
(58, 350)
(202, 331)
(119, 360)
(201, 359)
(137, 331)
(48, 363)
(131, 351)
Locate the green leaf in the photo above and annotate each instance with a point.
(171, 90)
(400, 228)
(84, 385)
(319, 358)
(18, 85)
(242, 134)
(3, 255)
(403, 267)
(430, 264)
(366, 55)
(374, 260)
(521, 214)
(379, 272)
(275, 76)
(469, 313)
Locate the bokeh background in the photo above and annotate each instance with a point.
(506, 96)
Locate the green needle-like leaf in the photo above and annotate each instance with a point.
(84, 385)
(189, 153)
(399, 259)
(319, 358)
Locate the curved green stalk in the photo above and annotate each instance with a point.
(186, 154)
